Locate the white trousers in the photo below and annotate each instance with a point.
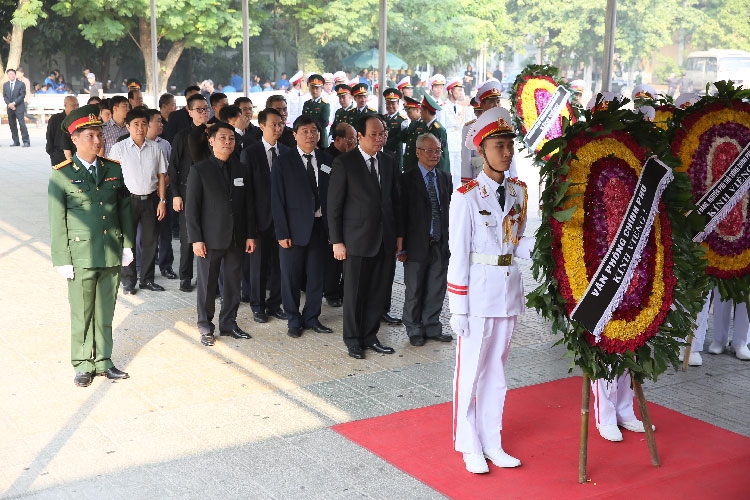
(699, 336)
(479, 384)
(613, 401)
(722, 316)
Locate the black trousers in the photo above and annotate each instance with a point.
(186, 251)
(334, 281)
(229, 263)
(144, 214)
(304, 264)
(261, 271)
(426, 283)
(166, 254)
(18, 115)
(366, 290)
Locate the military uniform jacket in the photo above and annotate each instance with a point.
(320, 111)
(393, 144)
(478, 225)
(90, 220)
(354, 114)
(409, 137)
(436, 129)
(342, 116)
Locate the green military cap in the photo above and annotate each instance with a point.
(133, 84)
(343, 88)
(360, 89)
(315, 80)
(430, 104)
(392, 94)
(410, 102)
(83, 117)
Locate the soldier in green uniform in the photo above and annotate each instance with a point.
(393, 120)
(344, 93)
(91, 230)
(409, 135)
(318, 108)
(429, 110)
(360, 92)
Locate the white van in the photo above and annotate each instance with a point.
(710, 66)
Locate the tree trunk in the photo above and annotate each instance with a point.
(166, 65)
(16, 45)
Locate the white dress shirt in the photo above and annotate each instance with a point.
(141, 166)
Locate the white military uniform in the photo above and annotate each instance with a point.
(471, 163)
(454, 116)
(613, 401)
(491, 295)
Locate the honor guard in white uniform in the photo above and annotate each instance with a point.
(485, 290)
(330, 94)
(436, 84)
(455, 114)
(471, 162)
(722, 317)
(295, 96)
(405, 86)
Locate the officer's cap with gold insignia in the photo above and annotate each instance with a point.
(339, 77)
(490, 88)
(328, 77)
(474, 103)
(578, 86)
(453, 83)
(430, 104)
(405, 83)
(437, 79)
(686, 100)
(315, 80)
(392, 94)
(410, 102)
(605, 99)
(495, 121)
(83, 117)
(359, 89)
(296, 78)
(643, 91)
(342, 89)
(133, 84)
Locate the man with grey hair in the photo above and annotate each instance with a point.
(425, 199)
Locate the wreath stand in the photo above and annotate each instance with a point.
(586, 399)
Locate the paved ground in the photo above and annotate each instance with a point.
(245, 419)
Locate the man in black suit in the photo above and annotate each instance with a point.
(179, 119)
(278, 102)
(58, 140)
(14, 94)
(221, 226)
(261, 268)
(425, 199)
(363, 218)
(299, 188)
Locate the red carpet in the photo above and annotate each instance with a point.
(541, 427)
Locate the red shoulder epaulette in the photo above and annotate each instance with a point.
(516, 180)
(465, 188)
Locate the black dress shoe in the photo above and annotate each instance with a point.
(294, 332)
(444, 337)
(169, 273)
(319, 328)
(335, 302)
(185, 286)
(416, 341)
(26, 145)
(83, 379)
(208, 339)
(278, 313)
(128, 289)
(387, 318)
(245, 298)
(260, 317)
(15, 144)
(150, 285)
(378, 347)
(236, 332)
(114, 374)
(356, 352)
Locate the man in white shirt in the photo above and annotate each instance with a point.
(144, 169)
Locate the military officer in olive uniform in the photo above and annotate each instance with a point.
(429, 110)
(360, 92)
(91, 230)
(394, 119)
(343, 115)
(410, 134)
(318, 108)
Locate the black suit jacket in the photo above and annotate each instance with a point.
(416, 213)
(359, 215)
(217, 214)
(17, 96)
(292, 197)
(178, 120)
(256, 161)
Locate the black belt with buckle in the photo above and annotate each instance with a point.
(434, 242)
(143, 196)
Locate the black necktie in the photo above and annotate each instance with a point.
(436, 229)
(313, 183)
(274, 155)
(501, 196)
(92, 169)
(373, 172)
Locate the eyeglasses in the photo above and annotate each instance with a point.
(432, 151)
(201, 110)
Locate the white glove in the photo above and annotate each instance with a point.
(460, 325)
(127, 256)
(66, 271)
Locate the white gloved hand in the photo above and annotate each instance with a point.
(66, 271)
(460, 325)
(127, 256)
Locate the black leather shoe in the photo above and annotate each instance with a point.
(378, 347)
(319, 328)
(356, 352)
(294, 332)
(185, 286)
(128, 289)
(245, 298)
(236, 332)
(278, 314)
(335, 302)
(169, 273)
(26, 145)
(260, 317)
(208, 339)
(114, 374)
(416, 341)
(442, 338)
(15, 144)
(387, 318)
(150, 285)
(83, 379)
